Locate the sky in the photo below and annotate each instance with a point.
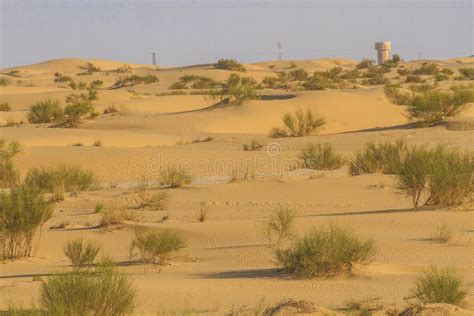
(197, 32)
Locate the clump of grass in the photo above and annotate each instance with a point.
(320, 157)
(173, 177)
(63, 178)
(81, 252)
(156, 246)
(98, 143)
(325, 252)
(46, 111)
(280, 226)
(229, 64)
(110, 109)
(22, 212)
(467, 73)
(438, 177)
(202, 216)
(4, 81)
(104, 291)
(131, 80)
(9, 176)
(4, 107)
(379, 158)
(99, 207)
(114, 218)
(254, 145)
(299, 124)
(442, 234)
(436, 285)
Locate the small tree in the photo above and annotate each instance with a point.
(22, 212)
(45, 111)
(299, 124)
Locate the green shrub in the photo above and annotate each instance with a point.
(123, 69)
(156, 246)
(9, 176)
(414, 79)
(379, 158)
(427, 69)
(81, 252)
(396, 58)
(280, 227)
(105, 292)
(320, 157)
(174, 178)
(58, 77)
(45, 111)
(316, 82)
(467, 73)
(178, 86)
(90, 67)
(75, 112)
(131, 80)
(4, 81)
(365, 62)
(235, 90)
(61, 178)
(299, 124)
(325, 252)
(22, 212)
(438, 177)
(436, 285)
(229, 64)
(4, 107)
(156, 201)
(432, 107)
(298, 74)
(394, 95)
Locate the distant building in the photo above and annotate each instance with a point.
(383, 51)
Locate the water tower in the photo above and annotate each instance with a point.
(383, 51)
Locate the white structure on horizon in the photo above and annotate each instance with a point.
(383, 51)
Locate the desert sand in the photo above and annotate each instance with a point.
(228, 263)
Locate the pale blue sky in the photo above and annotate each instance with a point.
(193, 32)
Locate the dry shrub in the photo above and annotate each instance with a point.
(4, 107)
(325, 252)
(442, 234)
(104, 291)
(229, 64)
(254, 145)
(280, 227)
(81, 252)
(320, 157)
(154, 200)
(173, 177)
(156, 246)
(46, 111)
(115, 218)
(9, 176)
(22, 212)
(437, 285)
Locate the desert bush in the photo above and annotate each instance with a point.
(324, 252)
(235, 90)
(178, 86)
(202, 216)
(22, 212)
(420, 88)
(364, 63)
(174, 177)
(442, 234)
(79, 107)
(97, 143)
(123, 69)
(320, 157)
(229, 64)
(298, 74)
(110, 109)
(4, 107)
(397, 97)
(396, 58)
(414, 79)
(427, 69)
(4, 81)
(105, 291)
(382, 157)
(90, 67)
(113, 218)
(81, 252)
(157, 245)
(432, 107)
(45, 111)
(437, 285)
(131, 80)
(317, 81)
(9, 176)
(280, 227)
(96, 84)
(254, 145)
(378, 79)
(467, 73)
(440, 177)
(155, 200)
(441, 77)
(299, 124)
(61, 178)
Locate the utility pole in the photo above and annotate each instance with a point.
(280, 52)
(153, 58)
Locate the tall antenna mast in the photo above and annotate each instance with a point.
(280, 52)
